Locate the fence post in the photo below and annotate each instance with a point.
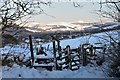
(91, 51)
(58, 46)
(31, 48)
(54, 52)
(69, 56)
(84, 55)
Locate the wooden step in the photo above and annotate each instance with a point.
(75, 65)
(64, 57)
(62, 63)
(75, 61)
(65, 67)
(48, 67)
(75, 68)
(74, 55)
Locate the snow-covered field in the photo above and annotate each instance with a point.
(84, 72)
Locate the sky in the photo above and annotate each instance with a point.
(66, 12)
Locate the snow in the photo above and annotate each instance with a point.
(31, 30)
(36, 64)
(16, 49)
(18, 71)
(26, 72)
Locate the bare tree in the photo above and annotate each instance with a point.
(113, 9)
(12, 11)
(112, 12)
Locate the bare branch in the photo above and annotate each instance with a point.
(14, 10)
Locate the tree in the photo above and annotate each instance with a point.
(112, 12)
(13, 11)
(113, 9)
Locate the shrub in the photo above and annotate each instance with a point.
(114, 70)
(8, 39)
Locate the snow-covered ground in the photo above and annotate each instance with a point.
(84, 72)
(26, 72)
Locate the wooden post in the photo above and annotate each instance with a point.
(68, 54)
(58, 46)
(104, 50)
(48, 47)
(31, 48)
(54, 52)
(84, 55)
(91, 51)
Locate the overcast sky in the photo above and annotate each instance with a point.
(66, 12)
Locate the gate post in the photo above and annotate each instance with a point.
(84, 56)
(69, 56)
(31, 48)
(91, 51)
(54, 52)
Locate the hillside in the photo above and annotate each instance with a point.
(64, 30)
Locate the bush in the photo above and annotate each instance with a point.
(8, 39)
(114, 70)
(11, 59)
